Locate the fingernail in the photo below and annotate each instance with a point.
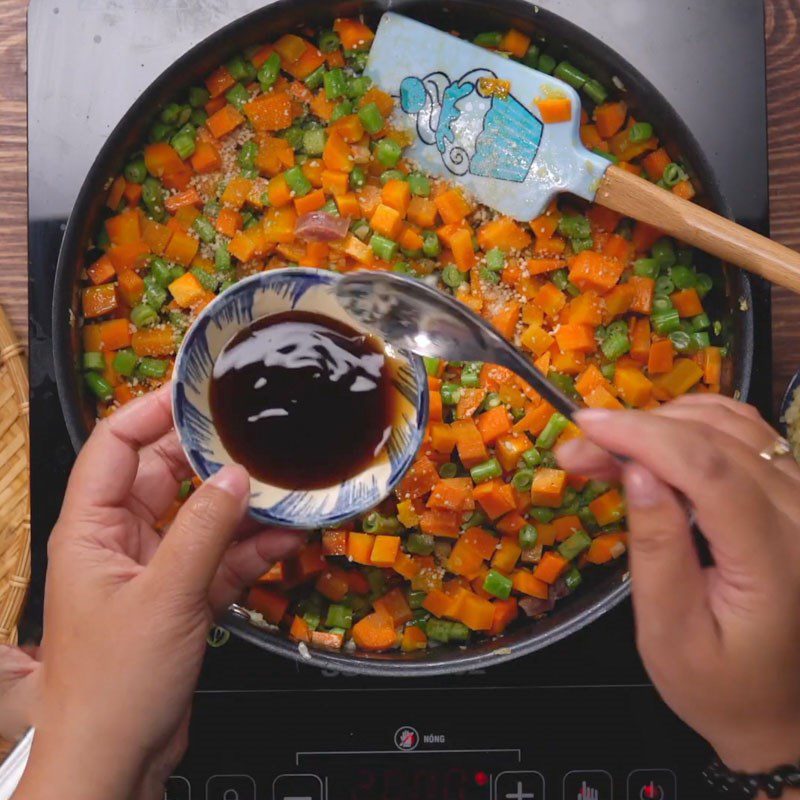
(642, 489)
(232, 479)
(592, 416)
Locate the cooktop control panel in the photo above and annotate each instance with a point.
(357, 742)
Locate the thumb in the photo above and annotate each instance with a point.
(668, 585)
(193, 547)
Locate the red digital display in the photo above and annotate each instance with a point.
(395, 782)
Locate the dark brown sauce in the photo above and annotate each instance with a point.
(301, 400)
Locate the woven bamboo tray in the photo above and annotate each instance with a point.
(15, 528)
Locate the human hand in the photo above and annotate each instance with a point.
(722, 643)
(127, 611)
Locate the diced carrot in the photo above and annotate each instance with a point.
(465, 559)
(610, 117)
(452, 494)
(155, 235)
(712, 366)
(586, 309)
(269, 112)
(406, 565)
(228, 222)
(321, 106)
(684, 374)
(270, 603)
(384, 101)
(643, 290)
(591, 270)
(661, 357)
(348, 206)
(312, 201)
(495, 497)
(535, 419)
(397, 195)
(567, 525)
(548, 487)
(306, 64)
(128, 256)
(687, 302)
(469, 402)
(359, 547)
(96, 301)
(452, 206)
(101, 271)
(335, 183)
(515, 42)
(226, 120)
(299, 630)
(463, 252)
(438, 522)
(414, 638)
(219, 81)
(633, 387)
(114, 334)
(186, 290)
(422, 212)
(182, 248)
(609, 508)
(506, 555)
(474, 611)
(579, 338)
(124, 228)
(348, 127)
(279, 225)
(384, 550)
(419, 480)
(133, 194)
(205, 158)
(526, 583)
(606, 547)
(536, 339)
(162, 159)
(554, 109)
(337, 155)
(190, 197)
(353, 34)
(640, 339)
(375, 632)
(278, 192)
(550, 299)
(438, 603)
(159, 341)
(684, 189)
(655, 163)
(410, 239)
(494, 423)
(116, 192)
(509, 449)
(591, 139)
(443, 438)
(504, 233)
(551, 567)
(505, 612)
(354, 247)
(386, 221)
(601, 397)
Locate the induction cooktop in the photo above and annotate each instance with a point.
(579, 720)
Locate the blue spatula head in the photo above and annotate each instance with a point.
(474, 119)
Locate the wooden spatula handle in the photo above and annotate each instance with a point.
(637, 198)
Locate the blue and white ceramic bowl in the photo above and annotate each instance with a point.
(259, 296)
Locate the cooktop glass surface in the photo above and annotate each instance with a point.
(577, 720)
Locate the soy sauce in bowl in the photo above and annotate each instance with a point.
(303, 401)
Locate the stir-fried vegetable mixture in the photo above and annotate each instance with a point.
(287, 156)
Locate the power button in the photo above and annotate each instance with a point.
(652, 784)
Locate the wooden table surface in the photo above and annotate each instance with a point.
(783, 94)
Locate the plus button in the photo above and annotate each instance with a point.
(519, 794)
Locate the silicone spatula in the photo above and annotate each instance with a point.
(476, 120)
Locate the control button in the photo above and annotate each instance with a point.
(230, 787)
(177, 788)
(588, 784)
(652, 784)
(297, 787)
(519, 785)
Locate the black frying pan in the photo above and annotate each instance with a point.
(603, 588)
